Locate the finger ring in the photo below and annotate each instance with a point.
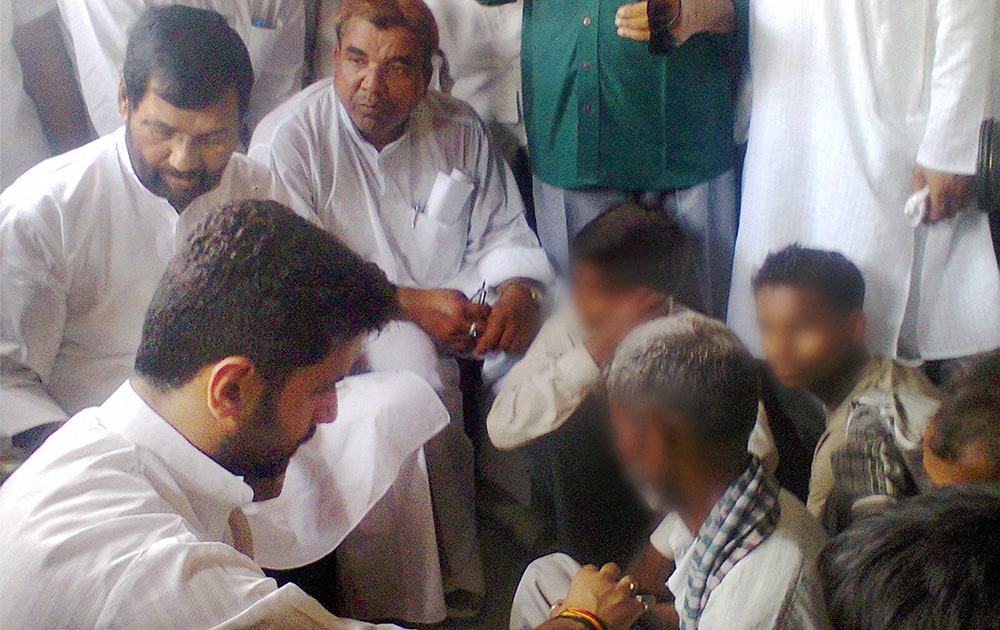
(474, 330)
(631, 586)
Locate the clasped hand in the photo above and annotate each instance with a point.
(462, 326)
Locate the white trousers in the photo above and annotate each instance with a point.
(402, 346)
(545, 581)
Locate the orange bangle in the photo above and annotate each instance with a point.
(579, 614)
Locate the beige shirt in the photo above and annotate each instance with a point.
(880, 373)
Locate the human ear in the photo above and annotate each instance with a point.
(857, 324)
(123, 100)
(235, 390)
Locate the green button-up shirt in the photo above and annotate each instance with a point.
(602, 111)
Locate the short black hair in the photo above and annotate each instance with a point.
(637, 247)
(194, 55)
(971, 414)
(831, 274)
(929, 562)
(256, 280)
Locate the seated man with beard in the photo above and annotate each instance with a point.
(131, 514)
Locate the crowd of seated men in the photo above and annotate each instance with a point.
(258, 340)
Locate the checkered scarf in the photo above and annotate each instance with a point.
(742, 519)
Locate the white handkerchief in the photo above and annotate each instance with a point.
(449, 196)
(915, 209)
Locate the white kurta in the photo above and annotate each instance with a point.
(377, 201)
(84, 245)
(274, 32)
(22, 141)
(118, 521)
(848, 95)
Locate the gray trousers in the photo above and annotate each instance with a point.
(706, 212)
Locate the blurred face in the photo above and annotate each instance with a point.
(379, 76)
(650, 456)
(179, 154)
(974, 464)
(286, 419)
(594, 294)
(805, 341)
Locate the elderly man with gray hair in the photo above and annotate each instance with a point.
(683, 395)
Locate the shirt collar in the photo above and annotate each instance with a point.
(213, 491)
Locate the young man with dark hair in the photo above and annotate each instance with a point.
(86, 235)
(929, 562)
(962, 441)
(812, 330)
(131, 514)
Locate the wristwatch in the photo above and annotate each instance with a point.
(533, 288)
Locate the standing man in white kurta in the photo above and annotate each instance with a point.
(274, 32)
(408, 179)
(857, 105)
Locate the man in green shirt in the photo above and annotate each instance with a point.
(612, 120)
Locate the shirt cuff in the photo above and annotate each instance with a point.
(515, 262)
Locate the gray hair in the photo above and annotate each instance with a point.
(691, 365)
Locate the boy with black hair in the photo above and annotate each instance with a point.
(962, 441)
(628, 264)
(812, 329)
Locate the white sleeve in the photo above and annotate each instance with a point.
(98, 31)
(960, 84)
(290, 167)
(543, 389)
(33, 305)
(501, 243)
(180, 584)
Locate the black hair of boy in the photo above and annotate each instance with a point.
(831, 274)
(258, 281)
(193, 55)
(929, 562)
(636, 247)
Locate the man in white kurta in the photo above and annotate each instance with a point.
(133, 514)
(153, 538)
(274, 32)
(849, 98)
(482, 49)
(408, 179)
(84, 245)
